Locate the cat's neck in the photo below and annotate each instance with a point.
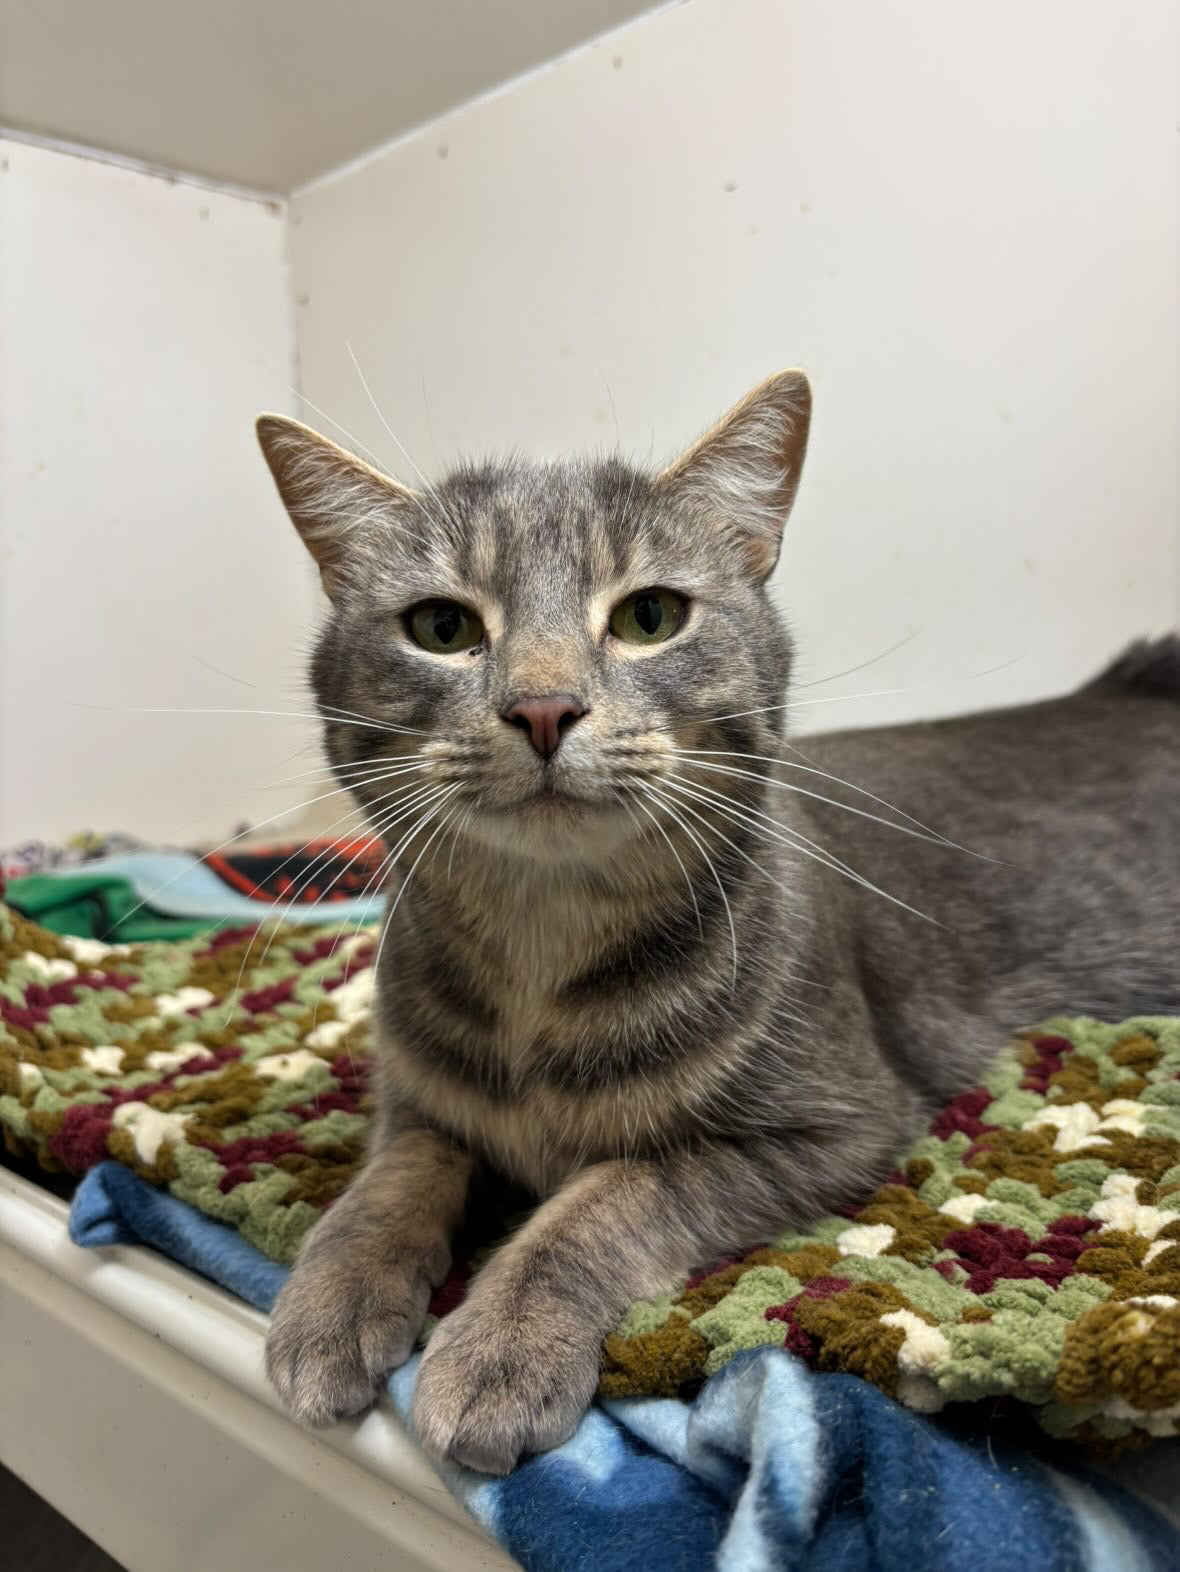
(539, 921)
(536, 925)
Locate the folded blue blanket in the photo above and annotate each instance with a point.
(772, 1467)
(181, 885)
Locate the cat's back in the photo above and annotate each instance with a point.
(1060, 891)
(1111, 749)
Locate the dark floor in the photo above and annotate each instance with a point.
(38, 1539)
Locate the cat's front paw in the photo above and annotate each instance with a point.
(498, 1382)
(337, 1331)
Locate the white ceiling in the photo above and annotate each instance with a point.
(268, 93)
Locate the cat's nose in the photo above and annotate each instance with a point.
(546, 719)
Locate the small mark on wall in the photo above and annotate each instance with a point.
(617, 62)
(202, 212)
(1003, 413)
(303, 299)
(443, 150)
(730, 185)
(805, 207)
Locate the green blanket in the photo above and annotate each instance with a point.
(96, 906)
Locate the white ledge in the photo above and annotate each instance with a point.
(136, 1402)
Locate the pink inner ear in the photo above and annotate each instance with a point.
(746, 469)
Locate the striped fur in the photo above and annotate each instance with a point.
(649, 978)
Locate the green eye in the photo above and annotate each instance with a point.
(648, 617)
(444, 627)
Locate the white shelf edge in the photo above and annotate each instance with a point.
(217, 1332)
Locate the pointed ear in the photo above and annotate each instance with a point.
(337, 502)
(745, 472)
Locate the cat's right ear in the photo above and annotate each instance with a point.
(337, 502)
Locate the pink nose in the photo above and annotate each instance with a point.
(545, 719)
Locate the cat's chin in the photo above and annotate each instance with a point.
(554, 826)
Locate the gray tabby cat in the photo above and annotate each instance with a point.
(685, 982)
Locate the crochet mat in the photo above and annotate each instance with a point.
(1028, 1246)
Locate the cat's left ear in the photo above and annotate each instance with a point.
(745, 472)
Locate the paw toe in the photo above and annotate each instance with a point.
(485, 1456)
(330, 1365)
(319, 1385)
(385, 1344)
(488, 1449)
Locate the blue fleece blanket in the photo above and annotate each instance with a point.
(772, 1467)
(181, 885)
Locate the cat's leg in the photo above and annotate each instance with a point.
(355, 1302)
(512, 1370)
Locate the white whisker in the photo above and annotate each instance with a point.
(921, 833)
(800, 842)
(400, 808)
(789, 704)
(457, 834)
(818, 682)
(230, 840)
(423, 820)
(680, 860)
(721, 835)
(374, 772)
(670, 810)
(430, 491)
(382, 823)
(154, 709)
(409, 731)
(357, 445)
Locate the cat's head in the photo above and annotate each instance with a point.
(521, 649)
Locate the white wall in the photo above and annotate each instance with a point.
(962, 219)
(145, 322)
(293, 91)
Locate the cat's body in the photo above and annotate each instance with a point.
(521, 1039)
(1077, 799)
(643, 966)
